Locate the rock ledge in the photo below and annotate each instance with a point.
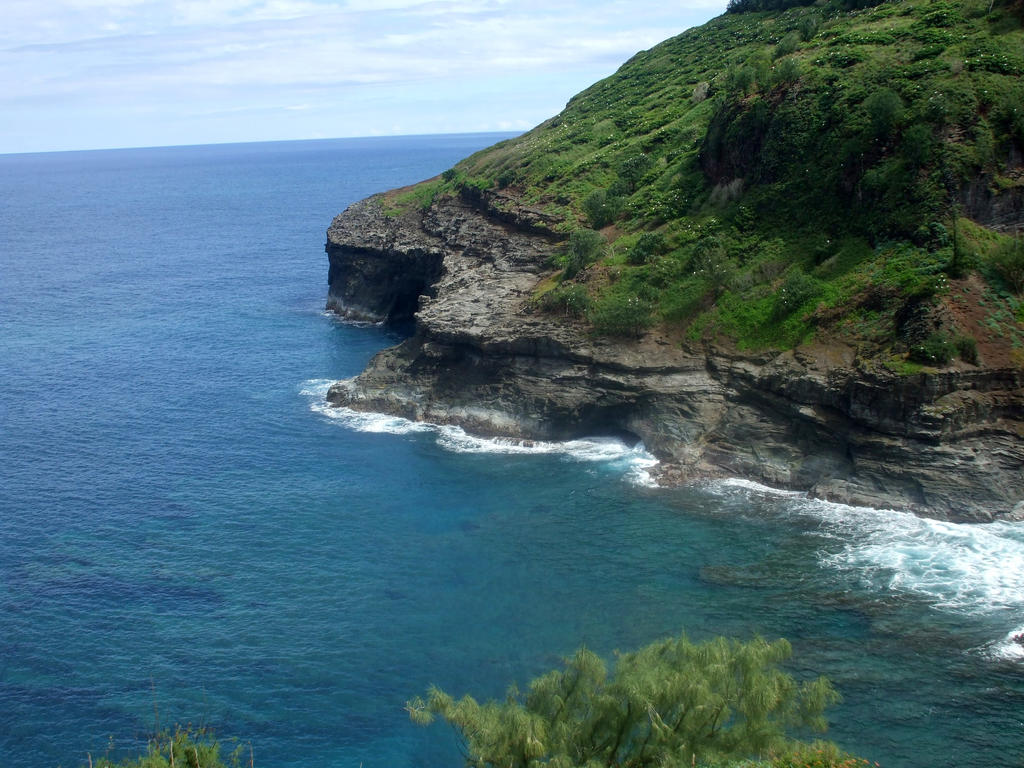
(947, 444)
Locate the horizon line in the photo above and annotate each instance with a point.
(262, 141)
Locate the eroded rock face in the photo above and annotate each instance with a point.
(947, 444)
(378, 267)
(1001, 210)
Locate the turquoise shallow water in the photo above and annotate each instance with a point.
(186, 533)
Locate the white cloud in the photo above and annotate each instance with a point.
(200, 57)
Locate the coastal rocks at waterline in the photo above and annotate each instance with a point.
(948, 444)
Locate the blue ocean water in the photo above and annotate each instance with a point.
(188, 535)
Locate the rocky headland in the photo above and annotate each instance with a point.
(786, 245)
(947, 443)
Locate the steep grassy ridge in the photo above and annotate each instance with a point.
(772, 177)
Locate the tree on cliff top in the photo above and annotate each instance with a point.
(673, 702)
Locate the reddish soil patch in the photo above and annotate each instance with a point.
(967, 304)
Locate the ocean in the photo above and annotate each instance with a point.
(188, 535)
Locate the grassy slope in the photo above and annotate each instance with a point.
(804, 173)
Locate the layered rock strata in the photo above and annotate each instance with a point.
(948, 444)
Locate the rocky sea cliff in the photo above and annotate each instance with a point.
(945, 443)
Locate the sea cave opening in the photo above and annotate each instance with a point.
(606, 423)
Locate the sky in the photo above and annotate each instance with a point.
(91, 74)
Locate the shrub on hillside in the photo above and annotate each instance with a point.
(685, 300)
(885, 111)
(633, 169)
(967, 349)
(506, 178)
(937, 349)
(570, 300)
(621, 315)
(601, 207)
(787, 44)
(787, 71)
(917, 145)
(808, 27)
(796, 290)
(585, 247)
(648, 247)
(1008, 259)
(711, 263)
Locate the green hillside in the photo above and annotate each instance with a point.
(778, 176)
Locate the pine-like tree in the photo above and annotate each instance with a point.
(672, 703)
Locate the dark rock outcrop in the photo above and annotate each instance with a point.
(986, 204)
(948, 444)
(379, 268)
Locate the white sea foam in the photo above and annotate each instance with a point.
(968, 569)
(316, 391)
(972, 569)
(1010, 648)
(750, 485)
(315, 388)
(380, 423)
(635, 460)
(641, 464)
(330, 314)
(587, 449)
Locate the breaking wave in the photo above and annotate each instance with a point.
(969, 569)
(633, 459)
(966, 568)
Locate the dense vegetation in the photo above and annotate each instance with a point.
(673, 703)
(772, 177)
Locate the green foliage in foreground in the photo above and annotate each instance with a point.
(672, 703)
(185, 748)
(197, 748)
(817, 755)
